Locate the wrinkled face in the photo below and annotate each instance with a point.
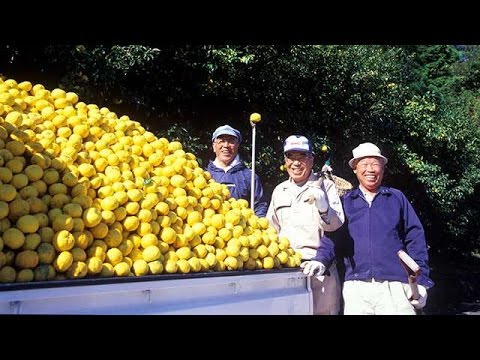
(299, 165)
(369, 171)
(225, 148)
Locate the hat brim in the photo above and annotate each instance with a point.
(226, 132)
(353, 160)
(296, 149)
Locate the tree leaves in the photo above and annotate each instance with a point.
(418, 103)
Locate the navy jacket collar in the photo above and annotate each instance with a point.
(383, 190)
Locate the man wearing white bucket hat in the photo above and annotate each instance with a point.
(301, 209)
(379, 221)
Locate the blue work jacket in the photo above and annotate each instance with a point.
(372, 235)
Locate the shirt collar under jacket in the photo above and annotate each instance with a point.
(234, 162)
(312, 181)
(309, 180)
(369, 197)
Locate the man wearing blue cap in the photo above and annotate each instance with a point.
(301, 209)
(229, 169)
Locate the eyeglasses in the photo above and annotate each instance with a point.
(297, 156)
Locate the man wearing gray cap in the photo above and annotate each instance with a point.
(379, 221)
(229, 169)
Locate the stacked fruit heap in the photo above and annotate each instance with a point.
(84, 193)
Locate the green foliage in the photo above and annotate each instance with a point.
(443, 156)
(324, 92)
(433, 66)
(418, 103)
(190, 142)
(130, 58)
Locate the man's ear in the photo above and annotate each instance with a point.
(355, 171)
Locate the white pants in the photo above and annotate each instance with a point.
(376, 298)
(327, 293)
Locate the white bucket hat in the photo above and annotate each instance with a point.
(366, 150)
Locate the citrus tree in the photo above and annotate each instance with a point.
(418, 103)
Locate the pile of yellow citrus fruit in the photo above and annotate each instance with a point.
(84, 193)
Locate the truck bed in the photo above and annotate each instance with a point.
(269, 292)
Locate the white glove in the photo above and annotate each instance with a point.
(422, 300)
(312, 267)
(321, 201)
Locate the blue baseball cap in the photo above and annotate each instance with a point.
(227, 130)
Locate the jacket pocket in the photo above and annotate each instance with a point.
(283, 209)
